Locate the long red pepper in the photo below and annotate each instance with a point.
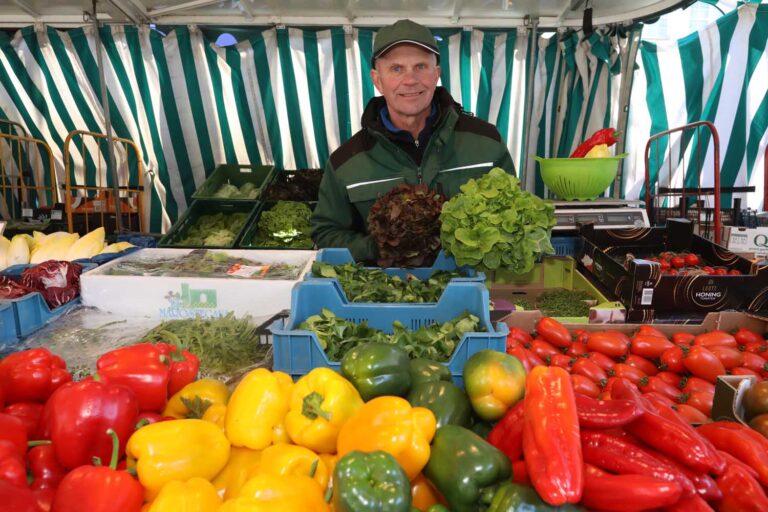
(602, 414)
(620, 493)
(551, 442)
(620, 456)
(704, 484)
(605, 136)
(737, 443)
(741, 491)
(691, 504)
(507, 434)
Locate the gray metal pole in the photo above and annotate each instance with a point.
(627, 77)
(111, 161)
(530, 180)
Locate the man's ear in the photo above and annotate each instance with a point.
(376, 79)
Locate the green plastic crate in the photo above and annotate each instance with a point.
(237, 175)
(199, 208)
(247, 241)
(281, 176)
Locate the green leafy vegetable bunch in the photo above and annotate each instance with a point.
(285, 225)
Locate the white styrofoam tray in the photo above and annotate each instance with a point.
(169, 298)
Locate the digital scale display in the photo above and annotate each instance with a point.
(604, 218)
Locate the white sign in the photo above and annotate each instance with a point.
(754, 240)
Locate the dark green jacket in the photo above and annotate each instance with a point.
(369, 164)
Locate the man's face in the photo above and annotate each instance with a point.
(407, 76)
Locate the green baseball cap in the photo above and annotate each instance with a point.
(403, 31)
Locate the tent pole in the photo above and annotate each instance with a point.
(530, 179)
(627, 77)
(111, 162)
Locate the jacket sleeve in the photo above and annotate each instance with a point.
(336, 223)
(505, 160)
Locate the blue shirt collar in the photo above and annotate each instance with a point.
(387, 121)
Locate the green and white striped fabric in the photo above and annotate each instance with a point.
(718, 74)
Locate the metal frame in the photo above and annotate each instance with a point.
(716, 191)
(114, 192)
(22, 165)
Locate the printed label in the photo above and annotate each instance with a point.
(250, 271)
(647, 298)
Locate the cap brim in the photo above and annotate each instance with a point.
(405, 41)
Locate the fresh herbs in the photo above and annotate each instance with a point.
(215, 230)
(373, 285)
(404, 222)
(562, 303)
(493, 224)
(301, 185)
(436, 341)
(285, 225)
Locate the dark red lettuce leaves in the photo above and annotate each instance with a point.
(405, 223)
(57, 281)
(10, 289)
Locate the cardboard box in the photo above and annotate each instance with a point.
(644, 290)
(727, 404)
(751, 242)
(171, 297)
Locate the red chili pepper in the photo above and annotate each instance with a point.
(738, 443)
(744, 336)
(507, 434)
(619, 493)
(741, 491)
(554, 332)
(619, 455)
(12, 466)
(604, 414)
(648, 346)
(99, 488)
(656, 385)
(704, 484)
(674, 437)
(551, 443)
(45, 469)
(29, 413)
(605, 136)
(141, 367)
(32, 375)
(78, 415)
(17, 499)
(184, 366)
(691, 504)
(642, 364)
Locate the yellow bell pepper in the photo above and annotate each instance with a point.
(194, 495)
(242, 462)
(257, 408)
(321, 402)
(191, 400)
(287, 493)
(389, 423)
(216, 414)
(290, 459)
(330, 461)
(176, 450)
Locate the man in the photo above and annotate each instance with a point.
(414, 133)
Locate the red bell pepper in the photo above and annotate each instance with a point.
(12, 429)
(520, 473)
(184, 366)
(12, 466)
(741, 491)
(29, 413)
(621, 456)
(32, 375)
(143, 368)
(17, 499)
(78, 415)
(737, 442)
(99, 488)
(602, 414)
(46, 471)
(608, 492)
(605, 136)
(507, 434)
(551, 443)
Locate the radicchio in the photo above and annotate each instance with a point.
(10, 289)
(57, 281)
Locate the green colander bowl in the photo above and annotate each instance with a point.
(582, 179)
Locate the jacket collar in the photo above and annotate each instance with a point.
(371, 119)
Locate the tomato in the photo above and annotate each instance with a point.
(670, 378)
(759, 348)
(729, 356)
(708, 270)
(742, 370)
(650, 347)
(703, 363)
(756, 399)
(677, 262)
(577, 348)
(672, 360)
(641, 363)
(608, 388)
(667, 255)
(744, 336)
(721, 271)
(702, 401)
(520, 334)
(607, 343)
(585, 386)
(589, 369)
(734, 272)
(653, 384)
(672, 272)
(692, 383)
(630, 373)
(715, 338)
(542, 349)
(665, 265)
(691, 414)
(561, 360)
(650, 330)
(692, 260)
(683, 338)
(754, 362)
(525, 356)
(601, 360)
(554, 332)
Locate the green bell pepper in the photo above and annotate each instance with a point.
(370, 481)
(438, 508)
(449, 403)
(426, 370)
(512, 497)
(465, 468)
(377, 369)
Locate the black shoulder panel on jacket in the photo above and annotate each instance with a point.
(359, 143)
(472, 124)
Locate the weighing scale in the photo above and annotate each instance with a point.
(605, 213)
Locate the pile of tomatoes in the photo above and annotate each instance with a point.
(683, 263)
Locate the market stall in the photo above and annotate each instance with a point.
(544, 341)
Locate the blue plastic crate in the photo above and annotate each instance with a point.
(101, 259)
(8, 334)
(139, 240)
(298, 352)
(566, 245)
